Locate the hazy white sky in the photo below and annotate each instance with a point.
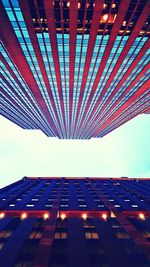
(123, 152)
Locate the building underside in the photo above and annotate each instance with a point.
(74, 69)
(75, 222)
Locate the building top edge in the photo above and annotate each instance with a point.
(85, 178)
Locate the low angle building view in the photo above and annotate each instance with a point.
(75, 125)
(94, 222)
(74, 69)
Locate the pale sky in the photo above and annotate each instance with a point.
(123, 152)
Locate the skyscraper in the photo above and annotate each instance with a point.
(70, 222)
(74, 69)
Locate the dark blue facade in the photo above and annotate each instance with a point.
(92, 222)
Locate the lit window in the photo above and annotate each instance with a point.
(12, 205)
(5, 234)
(35, 235)
(134, 206)
(29, 205)
(59, 235)
(49, 205)
(63, 206)
(146, 234)
(122, 235)
(91, 235)
(116, 226)
(88, 225)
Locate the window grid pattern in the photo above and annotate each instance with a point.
(13, 95)
(133, 52)
(63, 52)
(131, 92)
(111, 62)
(135, 110)
(100, 122)
(81, 49)
(26, 89)
(143, 62)
(80, 125)
(46, 52)
(122, 193)
(99, 49)
(8, 110)
(20, 29)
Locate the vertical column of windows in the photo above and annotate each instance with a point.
(58, 256)
(99, 49)
(95, 248)
(81, 49)
(63, 52)
(27, 253)
(46, 51)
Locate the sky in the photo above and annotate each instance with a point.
(123, 152)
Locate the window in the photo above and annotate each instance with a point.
(35, 235)
(146, 234)
(39, 223)
(1, 245)
(64, 205)
(101, 206)
(61, 224)
(116, 226)
(5, 234)
(82, 205)
(88, 224)
(60, 235)
(91, 235)
(121, 235)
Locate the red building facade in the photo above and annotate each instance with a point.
(74, 69)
